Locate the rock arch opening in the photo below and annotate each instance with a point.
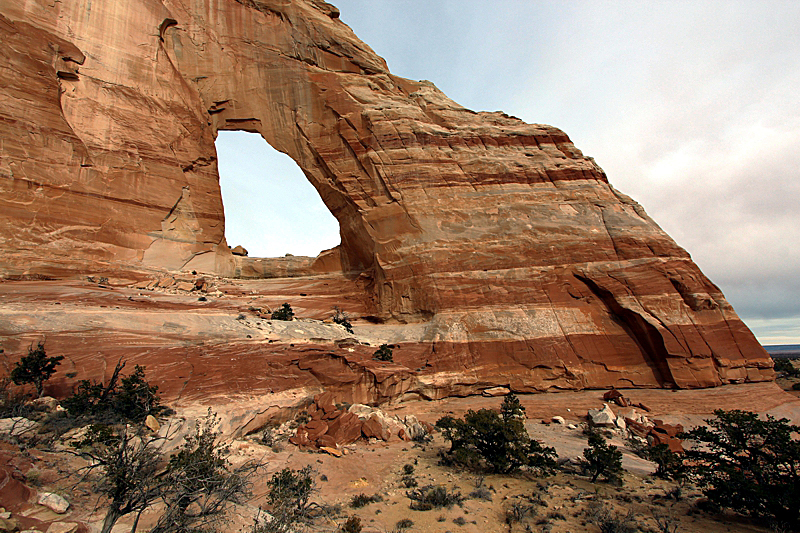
(270, 208)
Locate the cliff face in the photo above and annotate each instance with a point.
(501, 235)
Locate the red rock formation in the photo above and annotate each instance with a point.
(529, 269)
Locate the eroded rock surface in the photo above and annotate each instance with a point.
(522, 265)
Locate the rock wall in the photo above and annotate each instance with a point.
(500, 234)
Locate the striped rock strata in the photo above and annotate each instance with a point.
(525, 267)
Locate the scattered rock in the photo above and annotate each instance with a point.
(48, 403)
(331, 451)
(496, 391)
(667, 429)
(612, 395)
(54, 502)
(239, 250)
(152, 423)
(559, 420)
(8, 525)
(604, 417)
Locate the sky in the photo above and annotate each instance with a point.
(691, 108)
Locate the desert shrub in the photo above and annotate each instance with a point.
(784, 366)
(481, 493)
(749, 465)
(351, 525)
(433, 497)
(284, 313)
(360, 500)
(610, 522)
(409, 482)
(130, 399)
(403, 524)
(128, 461)
(497, 442)
(796, 386)
(665, 522)
(341, 318)
(517, 512)
(669, 465)
(196, 484)
(384, 353)
(35, 368)
(200, 483)
(288, 495)
(600, 459)
(459, 520)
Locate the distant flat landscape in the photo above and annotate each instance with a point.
(783, 350)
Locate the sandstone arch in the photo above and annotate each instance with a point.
(528, 268)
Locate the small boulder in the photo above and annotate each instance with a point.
(315, 429)
(667, 429)
(325, 402)
(361, 410)
(559, 420)
(372, 428)
(239, 250)
(611, 395)
(331, 451)
(48, 403)
(54, 502)
(152, 424)
(495, 391)
(300, 438)
(8, 525)
(346, 429)
(327, 440)
(604, 417)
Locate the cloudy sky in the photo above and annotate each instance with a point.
(691, 108)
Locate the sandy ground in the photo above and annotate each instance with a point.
(563, 503)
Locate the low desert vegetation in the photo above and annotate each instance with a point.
(35, 368)
(361, 500)
(122, 399)
(383, 353)
(748, 464)
(739, 461)
(433, 497)
(784, 367)
(351, 525)
(669, 465)
(129, 465)
(288, 500)
(495, 442)
(341, 318)
(602, 459)
(284, 313)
